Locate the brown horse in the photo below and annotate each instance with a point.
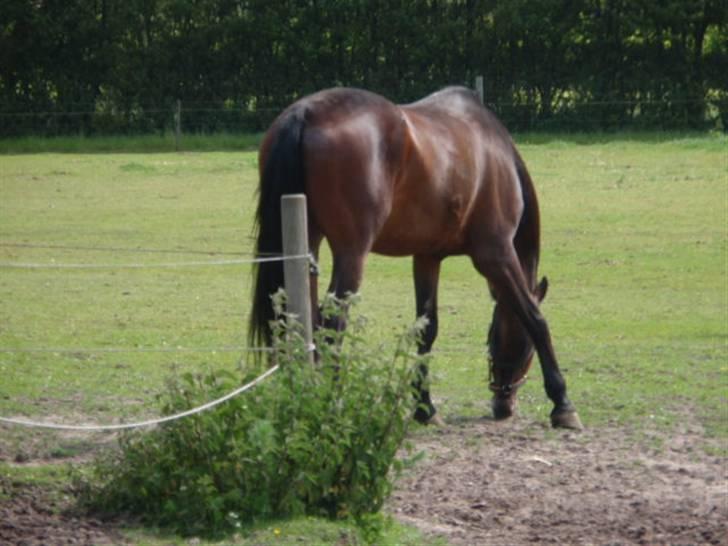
(436, 178)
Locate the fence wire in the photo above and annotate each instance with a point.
(169, 265)
(141, 424)
(160, 420)
(115, 249)
(526, 114)
(124, 350)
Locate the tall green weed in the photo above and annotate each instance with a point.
(313, 439)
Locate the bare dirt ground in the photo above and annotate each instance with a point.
(483, 483)
(31, 516)
(518, 482)
(34, 515)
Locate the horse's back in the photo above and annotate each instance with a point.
(403, 180)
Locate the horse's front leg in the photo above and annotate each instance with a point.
(506, 277)
(426, 276)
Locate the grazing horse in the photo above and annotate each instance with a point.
(431, 179)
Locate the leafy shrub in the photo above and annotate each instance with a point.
(316, 440)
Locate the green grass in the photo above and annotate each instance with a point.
(296, 532)
(635, 229)
(130, 144)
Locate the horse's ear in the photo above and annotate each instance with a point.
(541, 289)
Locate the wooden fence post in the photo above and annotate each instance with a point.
(479, 88)
(294, 224)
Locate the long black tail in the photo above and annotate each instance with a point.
(528, 235)
(283, 173)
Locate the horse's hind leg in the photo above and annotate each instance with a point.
(506, 277)
(314, 243)
(426, 275)
(346, 279)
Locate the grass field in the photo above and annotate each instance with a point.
(635, 229)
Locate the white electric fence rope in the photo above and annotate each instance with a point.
(156, 266)
(122, 350)
(147, 423)
(157, 421)
(230, 349)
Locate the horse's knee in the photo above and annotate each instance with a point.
(538, 329)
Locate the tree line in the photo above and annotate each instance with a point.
(107, 66)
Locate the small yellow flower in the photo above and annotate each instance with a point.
(276, 532)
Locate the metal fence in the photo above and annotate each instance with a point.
(180, 117)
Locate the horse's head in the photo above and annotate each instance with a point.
(511, 352)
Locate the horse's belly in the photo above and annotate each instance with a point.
(426, 232)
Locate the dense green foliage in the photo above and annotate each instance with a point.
(109, 66)
(318, 440)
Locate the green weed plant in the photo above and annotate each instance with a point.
(315, 440)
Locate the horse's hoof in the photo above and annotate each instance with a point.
(423, 415)
(566, 419)
(435, 421)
